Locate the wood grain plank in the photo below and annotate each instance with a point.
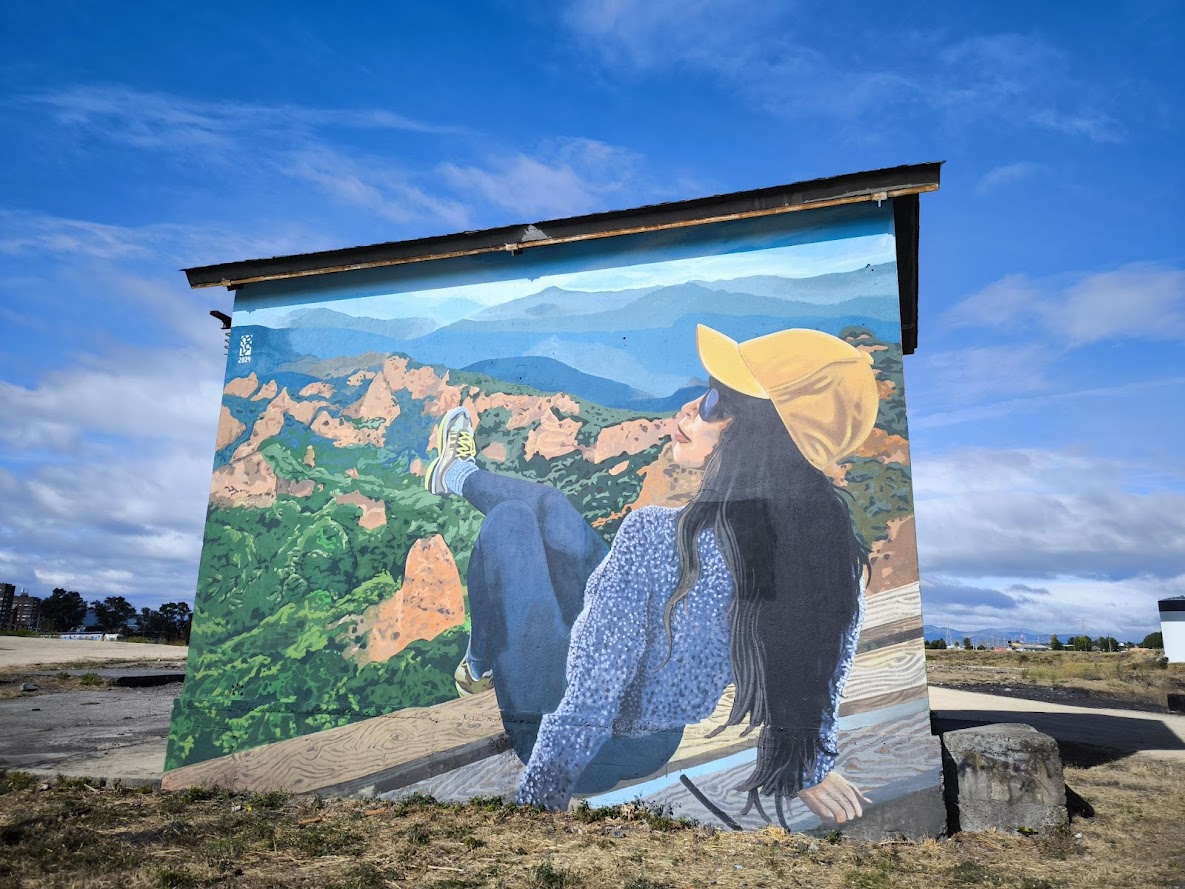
(350, 752)
(414, 744)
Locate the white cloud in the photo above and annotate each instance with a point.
(1123, 608)
(565, 177)
(372, 184)
(108, 523)
(763, 53)
(1045, 514)
(25, 233)
(1005, 175)
(155, 120)
(142, 395)
(973, 372)
(1138, 300)
(651, 32)
(1010, 407)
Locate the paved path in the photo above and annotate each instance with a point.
(26, 651)
(1131, 731)
(120, 733)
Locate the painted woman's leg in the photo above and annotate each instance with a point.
(572, 549)
(519, 630)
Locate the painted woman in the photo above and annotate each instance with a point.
(601, 657)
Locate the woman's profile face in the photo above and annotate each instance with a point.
(697, 431)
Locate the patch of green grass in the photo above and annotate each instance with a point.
(969, 873)
(546, 876)
(486, 803)
(91, 679)
(418, 835)
(863, 878)
(365, 875)
(271, 799)
(321, 840)
(11, 782)
(175, 878)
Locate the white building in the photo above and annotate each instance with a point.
(1172, 625)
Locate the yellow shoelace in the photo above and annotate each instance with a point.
(464, 445)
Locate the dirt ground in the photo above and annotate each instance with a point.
(1137, 680)
(71, 833)
(26, 652)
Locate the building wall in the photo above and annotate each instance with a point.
(26, 610)
(1172, 626)
(7, 591)
(337, 596)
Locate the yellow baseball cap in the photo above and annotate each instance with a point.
(823, 388)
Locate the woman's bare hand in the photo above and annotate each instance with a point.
(835, 799)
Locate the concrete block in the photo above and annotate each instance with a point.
(1001, 777)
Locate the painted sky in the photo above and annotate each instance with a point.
(1046, 393)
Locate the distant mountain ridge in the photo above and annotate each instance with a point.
(550, 375)
(393, 328)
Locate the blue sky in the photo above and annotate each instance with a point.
(1045, 395)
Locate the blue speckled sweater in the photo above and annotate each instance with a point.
(620, 680)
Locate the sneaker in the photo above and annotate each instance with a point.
(467, 683)
(454, 441)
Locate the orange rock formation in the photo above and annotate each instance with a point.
(242, 387)
(228, 429)
(374, 512)
(322, 389)
(430, 601)
(894, 561)
(630, 437)
(266, 391)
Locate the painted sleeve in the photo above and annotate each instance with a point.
(829, 727)
(608, 644)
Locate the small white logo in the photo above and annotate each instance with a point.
(245, 348)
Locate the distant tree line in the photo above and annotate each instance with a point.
(65, 610)
(1074, 643)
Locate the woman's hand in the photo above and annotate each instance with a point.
(834, 799)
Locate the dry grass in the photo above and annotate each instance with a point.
(1138, 677)
(55, 682)
(66, 833)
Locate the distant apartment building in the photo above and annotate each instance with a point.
(7, 591)
(25, 612)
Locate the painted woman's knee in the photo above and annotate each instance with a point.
(509, 521)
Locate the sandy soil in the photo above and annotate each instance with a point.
(25, 651)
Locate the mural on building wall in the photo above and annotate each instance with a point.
(638, 527)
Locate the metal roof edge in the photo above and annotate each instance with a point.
(849, 188)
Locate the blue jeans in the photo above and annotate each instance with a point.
(532, 559)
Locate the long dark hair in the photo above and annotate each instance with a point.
(786, 533)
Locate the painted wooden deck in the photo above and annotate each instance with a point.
(461, 744)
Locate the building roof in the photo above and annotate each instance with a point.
(903, 184)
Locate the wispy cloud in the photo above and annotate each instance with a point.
(417, 173)
(162, 242)
(1005, 175)
(1136, 301)
(764, 53)
(578, 176)
(374, 185)
(158, 120)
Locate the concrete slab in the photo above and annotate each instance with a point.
(107, 733)
(25, 651)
